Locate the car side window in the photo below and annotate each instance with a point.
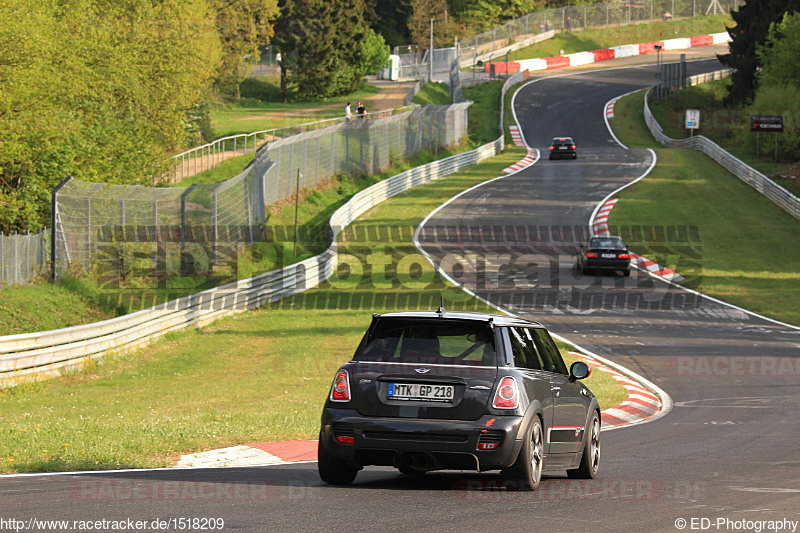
(548, 350)
(522, 346)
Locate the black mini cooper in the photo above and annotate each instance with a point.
(451, 390)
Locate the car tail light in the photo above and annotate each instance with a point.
(487, 446)
(346, 440)
(624, 256)
(340, 392)
(552, 147)
(591, 254)
(572, 147)
(507, 395)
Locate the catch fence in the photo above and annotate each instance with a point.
(130, 230)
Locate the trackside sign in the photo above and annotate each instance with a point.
(766, 123)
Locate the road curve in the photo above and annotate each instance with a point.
(727, 450)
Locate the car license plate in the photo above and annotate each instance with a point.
(421, 392)
(562, 147)
(609, 256)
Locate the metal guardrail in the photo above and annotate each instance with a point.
(30, 356)
(777, 194)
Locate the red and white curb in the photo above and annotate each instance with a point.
(640, 405)
(267, 453)
(600, 227)
(516, 136)
(531, 158)
(610, 107)
(600, 222)
(528, 160)
(616, 52)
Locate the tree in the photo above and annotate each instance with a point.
(753, 21)
(243, 25)
(780, 54)
(327, 47)
(99, 89)
(391, 20)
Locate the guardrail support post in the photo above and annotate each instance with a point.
(183, 229)
(54, 225)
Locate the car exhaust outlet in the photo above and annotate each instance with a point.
(417, 460)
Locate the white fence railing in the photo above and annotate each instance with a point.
(31, 356)
(780, 196)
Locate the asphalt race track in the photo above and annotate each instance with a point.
(728, 450)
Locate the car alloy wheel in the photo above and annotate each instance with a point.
(590, 458)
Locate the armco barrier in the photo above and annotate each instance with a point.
(779, 196)
(30, 356)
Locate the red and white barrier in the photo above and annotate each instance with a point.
(626, 50)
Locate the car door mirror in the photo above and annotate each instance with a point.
(579, 370)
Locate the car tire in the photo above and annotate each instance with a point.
(590, 457)
(526, 472)
(575, 156)
(627, 272)
(332, 470)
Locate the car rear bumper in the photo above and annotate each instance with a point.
(608, 264)
(563, 154)
(422, 443)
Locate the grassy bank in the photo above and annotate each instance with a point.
(146, 409)
(728, 127)
(260, 107)
(595, 39)
(433, 93)
(748, 252)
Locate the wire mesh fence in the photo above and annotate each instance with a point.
(359, 146)
(23, 257)
(580, 17)
(210, 155)
(129, 231)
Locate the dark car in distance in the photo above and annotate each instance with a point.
(562, 147)
(452, 390)
(604, 254)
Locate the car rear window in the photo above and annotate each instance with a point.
(606, 243)
(429, 341)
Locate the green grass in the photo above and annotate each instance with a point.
(484, 114)
(748, 254)
(47, 305)
(225, 170)
(595, 39)
(146, 409)
(260, 108)
(728, 127)
(434, 93)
